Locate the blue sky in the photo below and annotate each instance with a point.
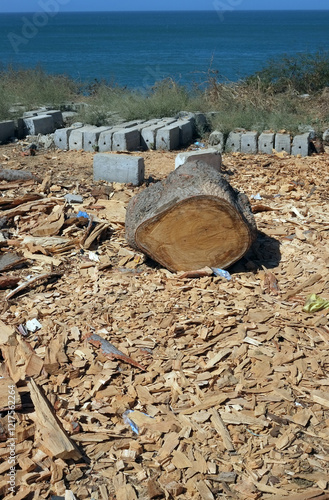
(101, 5)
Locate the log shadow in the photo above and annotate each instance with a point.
(265, 251)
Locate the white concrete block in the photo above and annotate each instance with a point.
(119, 168)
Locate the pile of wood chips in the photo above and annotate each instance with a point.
(134, 383)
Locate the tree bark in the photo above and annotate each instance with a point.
(194, 218)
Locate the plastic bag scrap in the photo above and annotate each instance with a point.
(83, 214)
(256, 196)
(130, 422)
(33, 325)
(222, 273)
(315, 303)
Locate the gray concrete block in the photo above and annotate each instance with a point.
(61, 137)
(211, 156)
(119, 168)
(167, 138)
(35, 112)
(141, 127)
(131, 123)
(185, 132)
(266, 142)
(91, 138)
(20, 128)
(68, 116)
(185, 115)
(40, 124)
(233, 142)
(105, 141)
(106, 137)
(128, 139)
(57, 117)
(7, 130)
(282, 143)
(301, 144)
(325, 137)
(307, 128)
(201, 122)
(216, 138)
(148, 134)
(77, 137)
(249, 142)
(167, 120)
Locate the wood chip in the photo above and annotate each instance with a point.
(54, 439)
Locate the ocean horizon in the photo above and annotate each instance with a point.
(136, 49)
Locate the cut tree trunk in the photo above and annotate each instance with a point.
(194, 218)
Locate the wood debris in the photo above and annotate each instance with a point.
(224, 383)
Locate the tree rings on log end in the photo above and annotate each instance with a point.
(192, 219)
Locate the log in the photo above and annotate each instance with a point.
(192, 219)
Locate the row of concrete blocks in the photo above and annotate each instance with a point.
(252, 142)
(32, 123)
(165, 133)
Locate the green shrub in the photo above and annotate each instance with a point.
(34, 87)
(166, 98)
(303, 73)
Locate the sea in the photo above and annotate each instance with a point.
(137, 49)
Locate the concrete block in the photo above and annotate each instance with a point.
(233, 142)
(131, 123)
(185, 115)
(68, 116)
(266, 143)
(119, 168)
(105, 141)
(148, 134)
(211, 156)
(201, 122)
(7, 130)
(185, 132)
(57, 117)
(249, 142)
(282, 143)
(216, 138)
(307, 128)
(325, 137)
(77, 137)
(167, 120)
(168, 137)
(41, 124)
(35, 112)
(128, 139)
(61, 137)
(301, 144)
(106, 137)
(91, 138)
(143, 125)
(20, 128)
